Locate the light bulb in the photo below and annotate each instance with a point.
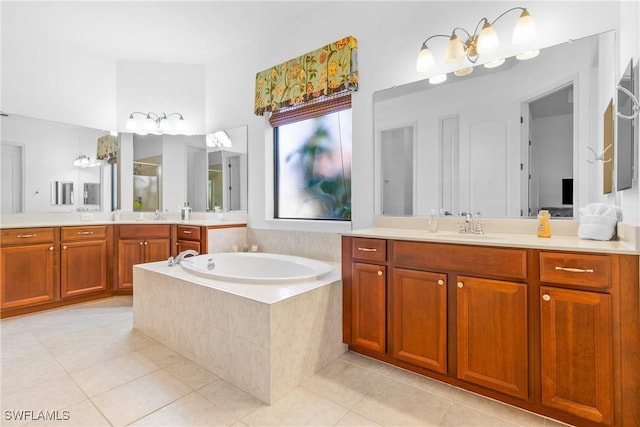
(495, 63)
(488, 39)
(463, 72)
(525, 30)
(437, 79)
(131, 123)
(454, 51)
(425, 62)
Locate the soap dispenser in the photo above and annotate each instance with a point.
(544, 224)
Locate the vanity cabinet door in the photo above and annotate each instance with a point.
(27, 275)
(157, 250)
(576, 349)
(83, 268)
(369, 306)
(130, 253)
(492, 334)
(419, 318)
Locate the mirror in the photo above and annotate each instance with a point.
(147, 173)
(463, 145)
(61, 193)
(625, 149)
(227, 170)
(37, 153)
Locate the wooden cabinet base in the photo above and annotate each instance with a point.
(55, 304)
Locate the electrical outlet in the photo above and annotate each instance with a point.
(87, 217)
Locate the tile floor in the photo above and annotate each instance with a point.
(86, 363)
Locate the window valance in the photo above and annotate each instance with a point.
(107, 148)
(322, 72)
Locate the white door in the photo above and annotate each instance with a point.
(397, 154)
(12, 201)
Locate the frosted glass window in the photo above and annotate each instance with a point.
(313, 168)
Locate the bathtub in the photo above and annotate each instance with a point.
(258, 267)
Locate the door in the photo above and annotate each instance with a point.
(27, 275)
(83, 268)
(130, 253)
(397, 154)
(576, 352)
(157, 250)
(419, 318)
(369, 309)
(12, 176)
(450, 149)
(492, 334)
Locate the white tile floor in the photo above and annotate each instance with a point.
(88, 364)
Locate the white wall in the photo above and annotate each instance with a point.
(155, 87)
(389, 36)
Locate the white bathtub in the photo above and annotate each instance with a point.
(249, 267)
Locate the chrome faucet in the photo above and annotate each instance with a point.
(469, 226)
(178, 259)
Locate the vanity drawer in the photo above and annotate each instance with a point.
(145, 231)
(26, 236)
(369, 249)
(503, 262)
(575, 269)
(188, 232)
(68, 234)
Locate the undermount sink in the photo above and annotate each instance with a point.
(467, 236)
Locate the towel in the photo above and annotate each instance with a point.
(598, 221)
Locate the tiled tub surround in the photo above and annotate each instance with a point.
(264, 339)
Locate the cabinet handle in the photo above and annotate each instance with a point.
(146, 243)
(575, 270)
(64, 248)
(141, 243)
(85, 232)
(379, 273)
(440, 282)
(546, 297)
(460, 285)
(51, 248)
(186, 231)
(25, 236)
(368, 249)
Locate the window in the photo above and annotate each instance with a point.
(313, 168)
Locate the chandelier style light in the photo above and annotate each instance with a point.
(484, 39)
(218, 139)
(156, 123)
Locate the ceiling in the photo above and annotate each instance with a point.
(189, 32)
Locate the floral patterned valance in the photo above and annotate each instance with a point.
(107, 148)
(322, 72)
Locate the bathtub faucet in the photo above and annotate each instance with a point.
(178, 259)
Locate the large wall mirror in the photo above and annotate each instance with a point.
(44, 164)
(151, 172)
(504, 142)
(227, 170)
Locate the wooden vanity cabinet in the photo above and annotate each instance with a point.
(138, 244)
(84, 259)
(553, 332)
(368, 295)
(576, 334)
(28, 267)
(191, 237)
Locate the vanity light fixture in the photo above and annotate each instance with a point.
(83, 161)
(156, 123)
(484, 39)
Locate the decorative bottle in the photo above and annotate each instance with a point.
(432, 221)
(544, 224)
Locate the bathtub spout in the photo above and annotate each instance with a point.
(178, 259)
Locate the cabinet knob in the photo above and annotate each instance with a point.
(440, 282)
(460, 285)
(141, 243)
(379, 272)
(146, 243)
(51, 248)
(546, 297)
(64, 247)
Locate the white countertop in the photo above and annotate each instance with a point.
(565, 243)
(106, 218)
